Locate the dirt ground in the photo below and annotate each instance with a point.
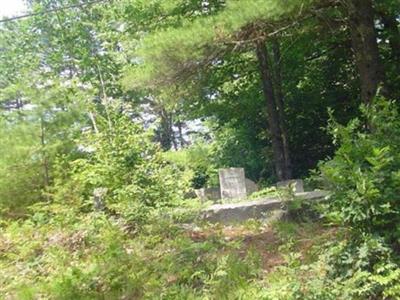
(266, 241)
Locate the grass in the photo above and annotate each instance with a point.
(90, 256)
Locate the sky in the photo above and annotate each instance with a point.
(9, 8)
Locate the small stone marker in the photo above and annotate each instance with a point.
(200, 193)
(204, 194)
(251, 187)
(213, 193)
(233, 183)
(295, 184)
(98, 198)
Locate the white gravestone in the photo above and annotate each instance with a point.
(233, 183)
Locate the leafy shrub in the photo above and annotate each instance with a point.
(21, 171)
(197, 164)
(123, 161)
(364, 174)
(342, 270)
(364, 179)
(304, 211)
(236, 145)
(27, 152)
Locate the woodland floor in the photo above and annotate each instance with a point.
(271, 241)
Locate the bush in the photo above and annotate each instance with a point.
(364, 174)
(21, 168)
(122, 160)
(197, 164)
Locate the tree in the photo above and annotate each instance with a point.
(365, 46)
(275, 121)
(238, 20)
(48, 90)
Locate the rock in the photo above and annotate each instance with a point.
(233, 185)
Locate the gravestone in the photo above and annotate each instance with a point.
(251, 187)
(232, 183)
(213, 194)
(98, 198)
(295, 184)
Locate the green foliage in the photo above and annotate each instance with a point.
(122, 159)
(235, 146)
(303, 211)
(197, 163)
(230, 148)
(21, 174)
(167, 53)
(31, 139)
(266, 192)
(61, 253)
(363, 175)
(340, 269)
(90, 256)
(45, 97)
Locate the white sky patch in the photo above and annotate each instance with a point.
(11, 8)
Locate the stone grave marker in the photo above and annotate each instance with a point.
(251, 187)
(98, 198)
(204, 194)
(232, 183)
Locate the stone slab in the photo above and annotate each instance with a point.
(232, 183)
(238, 212)
(231, 213)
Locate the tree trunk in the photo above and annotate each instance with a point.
(46, 175)
(165, 135)
(279, 103)
(171, 131)
(173, 136)
(180, 134)
(365, 47)
(281, 168)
